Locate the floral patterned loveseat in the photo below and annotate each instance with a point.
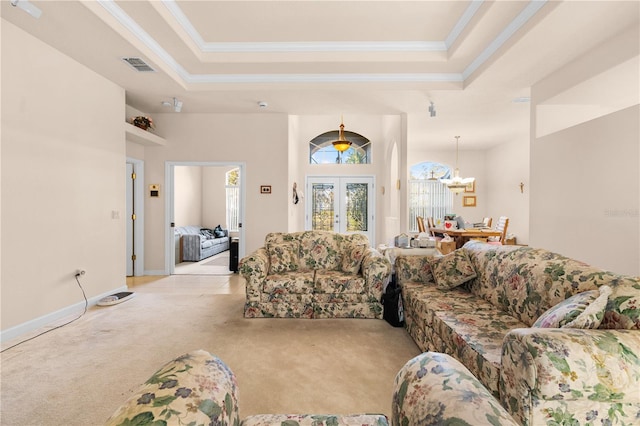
(198, 389)
(556, 340)
(314, 274)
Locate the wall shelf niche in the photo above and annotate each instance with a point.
(142, 137)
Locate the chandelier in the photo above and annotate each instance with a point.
(341, 144)
(457, 184)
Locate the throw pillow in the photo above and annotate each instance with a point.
(352, 255)
(206, 232)
(283, 257)
(582, 310)
(452, 270)
(623, 307)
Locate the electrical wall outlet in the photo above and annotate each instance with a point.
(80, 272)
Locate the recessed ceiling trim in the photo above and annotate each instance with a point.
(522, 18)
(324, 46)
(462, 23)
(325, 78)
(125, 20)
(338, 46)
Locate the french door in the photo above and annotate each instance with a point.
(341, 204)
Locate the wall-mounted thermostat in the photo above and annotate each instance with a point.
(154, 190)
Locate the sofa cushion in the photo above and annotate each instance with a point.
(320, 250)
(283, 257)
(289, 283)
(207, 243)
(452, 269)
(352, 255)
(315, 420)
(338, 282)
(583, 310)
(526, 282)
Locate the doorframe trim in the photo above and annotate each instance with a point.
(138, 230)
(169, 204)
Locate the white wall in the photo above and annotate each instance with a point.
(585, 179)
(578, 206)
(63, 181)
(188, 195)
(507, 165)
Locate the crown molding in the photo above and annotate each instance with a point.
(187, 78)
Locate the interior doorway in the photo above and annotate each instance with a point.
(173, 197)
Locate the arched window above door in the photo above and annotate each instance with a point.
(424, 171)
(321, 151)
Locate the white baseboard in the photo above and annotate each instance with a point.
(48, 319)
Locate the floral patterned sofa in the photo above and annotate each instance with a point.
(314, 274)
(556, 340)
(198, 389)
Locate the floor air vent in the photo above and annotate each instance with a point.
(138, 64)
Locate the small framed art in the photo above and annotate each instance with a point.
(471, 187)
(265, 189)
(469, 201)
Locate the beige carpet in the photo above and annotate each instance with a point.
(78, 375)
(215, 265)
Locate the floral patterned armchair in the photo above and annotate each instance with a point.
(314, 274)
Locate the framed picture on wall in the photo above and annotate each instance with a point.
(469, 201)
(471, 187)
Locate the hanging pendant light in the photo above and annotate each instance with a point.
(457, 184)
(341, 144)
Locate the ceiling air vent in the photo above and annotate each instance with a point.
(138, 64)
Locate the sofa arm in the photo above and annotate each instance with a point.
(376, 270)
(196, 388)
(436, 389)
(413, 268)
(191, 247)
(572, 376)
(254, 268)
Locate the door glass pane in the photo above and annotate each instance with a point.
(323, 210)
(357, 200)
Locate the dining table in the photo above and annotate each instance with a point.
(461, 236)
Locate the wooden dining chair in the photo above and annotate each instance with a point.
(421, 227)
(430, 224)
(502, 225)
